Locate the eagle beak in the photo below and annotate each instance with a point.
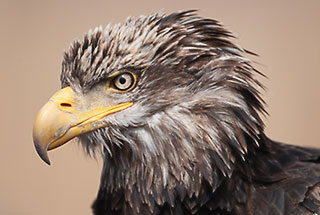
(58, 121)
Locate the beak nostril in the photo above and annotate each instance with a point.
(65, 104)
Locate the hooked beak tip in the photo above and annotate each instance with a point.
(42, 152)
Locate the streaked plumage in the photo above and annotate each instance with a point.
(193, 141)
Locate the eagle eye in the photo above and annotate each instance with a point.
(123, 82)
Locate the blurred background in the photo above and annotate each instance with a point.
(34, 34)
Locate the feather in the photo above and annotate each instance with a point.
(194, 141)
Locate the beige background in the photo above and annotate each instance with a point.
(34, 34)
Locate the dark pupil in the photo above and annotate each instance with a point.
(122, 80)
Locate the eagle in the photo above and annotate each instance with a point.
(174, 107)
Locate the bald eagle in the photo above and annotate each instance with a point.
(174, 109)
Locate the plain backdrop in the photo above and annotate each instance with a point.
(34, 34)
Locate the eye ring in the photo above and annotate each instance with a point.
(123, 82)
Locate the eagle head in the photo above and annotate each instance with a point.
(165, 99)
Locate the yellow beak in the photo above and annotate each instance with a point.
(58, 121)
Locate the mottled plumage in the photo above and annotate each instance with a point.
(193, 141)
